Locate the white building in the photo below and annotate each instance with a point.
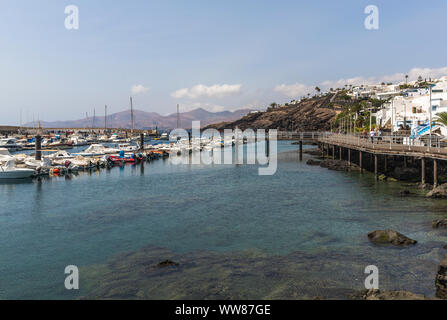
(412, 108)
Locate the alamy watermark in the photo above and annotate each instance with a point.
(72, 280)
(372, 280)
(209, 147)
(72, 20)
(372, 20)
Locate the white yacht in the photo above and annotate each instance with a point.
(10, 144)
(127, 147)
(9, 171)
(5, 155)
(97, 150)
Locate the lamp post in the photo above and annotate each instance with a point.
(430, 106)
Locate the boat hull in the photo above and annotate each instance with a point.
(17, 174)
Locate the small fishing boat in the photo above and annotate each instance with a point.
(9, 171)
(122, 158)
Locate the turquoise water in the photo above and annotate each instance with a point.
(302, 231)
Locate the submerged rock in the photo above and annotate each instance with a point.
(312, 162)
(167, 263)
(313, 152)
(337, 165)
(425, 186)
(390, 237)
(438, 192)
(388, 295)
(405, 193)
(441, 280)
(440, 223)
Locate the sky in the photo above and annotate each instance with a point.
(218, 55)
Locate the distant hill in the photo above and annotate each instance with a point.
(149, 120)
(313, 114)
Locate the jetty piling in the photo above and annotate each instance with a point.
(435, 173)
(423, 170)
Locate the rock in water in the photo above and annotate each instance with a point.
(390, 237)
(441, 280)
(440, 223)
(167, 263)
(312, 162)
(405, 193)
(438, 192)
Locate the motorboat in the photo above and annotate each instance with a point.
(60, 155)
(97, 150)
(10, 144)
(10, 171)
(78, 141)
(5, 155)
(127, 147)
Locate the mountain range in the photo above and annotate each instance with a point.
(148, 120)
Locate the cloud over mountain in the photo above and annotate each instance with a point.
(214, 91)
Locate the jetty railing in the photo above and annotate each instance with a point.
(292, 135)
(388, 143)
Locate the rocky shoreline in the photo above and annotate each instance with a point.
(392, 237)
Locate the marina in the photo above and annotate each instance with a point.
(134, 216)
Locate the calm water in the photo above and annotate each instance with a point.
(297, 234)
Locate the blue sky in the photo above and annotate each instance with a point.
(223, 54)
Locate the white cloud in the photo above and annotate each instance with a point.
(214, 91)
(395, 78)
(138, 88)
(293, 90)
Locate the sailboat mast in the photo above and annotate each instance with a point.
(105, 118)
(131, 116)
(178, 116)
(93, 120)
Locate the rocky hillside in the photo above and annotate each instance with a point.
(309, 115)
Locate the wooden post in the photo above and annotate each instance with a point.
(361, 161)
(267, 146)
(141, 142)
(385, 164)
(341, 153)
(376, 171)
(38, 146)
(435, 173)
(301, 150)
(349, 157)
(423, 170)
(333, 152)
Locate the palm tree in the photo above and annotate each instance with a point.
(441, 118)
(406, 78)
(317, 89)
